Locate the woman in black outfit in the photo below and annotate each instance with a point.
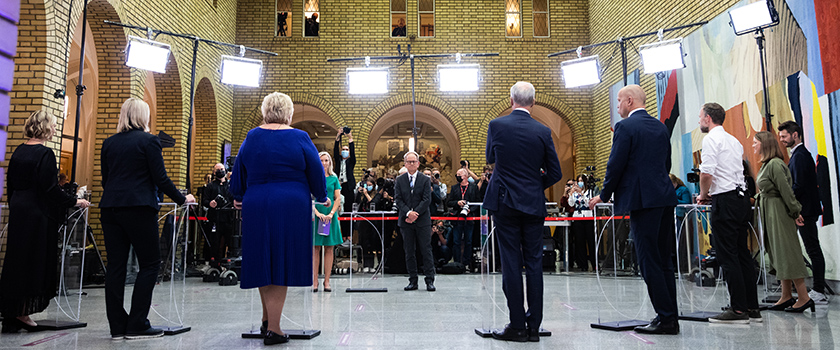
(132, 173)
(36, 207)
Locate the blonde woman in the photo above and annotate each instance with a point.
(779, 215)
(132, 174)
(326, 216)
(36, 206)
(276, 172)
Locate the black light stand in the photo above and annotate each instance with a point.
(622, 44)
(196, 41)
(410, 57)
(80, 90)
(759, 40)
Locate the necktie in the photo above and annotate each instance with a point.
(411, 178)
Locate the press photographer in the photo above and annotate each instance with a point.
(462, 193)
(219, 201)
(345, 162)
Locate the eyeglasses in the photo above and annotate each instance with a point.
(410, 161)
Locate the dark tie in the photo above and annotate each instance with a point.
(411, 179)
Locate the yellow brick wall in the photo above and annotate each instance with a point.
(356, 28)
(610, 20)
(41, 62)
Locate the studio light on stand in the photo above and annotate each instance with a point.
(241, 71)
(581, 71)
(754, 18)
(458, 77)
(147, 54)
(367, 81)
(662, 56)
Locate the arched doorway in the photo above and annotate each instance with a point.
(207, 147)
(437, 140)
(320, 126)
(87, 120)
(564, 145)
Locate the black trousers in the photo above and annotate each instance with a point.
(654, 240)
(730, 227)
(812, 246)
(520, 243)
(584, 233)
(349, 197)
(123, 228)
(419, 238)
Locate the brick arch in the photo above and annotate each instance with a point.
(170, 119)
(580, 134)
(254, 118)
(207, 143)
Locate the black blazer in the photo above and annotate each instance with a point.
(133, 171)
(803, 170)
(454, 196)
(640, 160)
(417, 199)
(350, 162)
(526, 163)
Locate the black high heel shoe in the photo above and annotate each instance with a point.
(783, 306)
(272, 338)
(14, 325)
(801, 309)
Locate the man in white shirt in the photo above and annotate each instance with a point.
(722, 184)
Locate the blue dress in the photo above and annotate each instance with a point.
(273, 176)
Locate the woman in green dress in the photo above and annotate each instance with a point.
(779, 212)
(326, 216)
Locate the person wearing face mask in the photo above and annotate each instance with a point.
(344, 166)
(219, 203)
(460, 194)
(471, 176)
(368, 237)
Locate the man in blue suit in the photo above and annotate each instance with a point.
(526, 164)
(803, 171)
(637, 174)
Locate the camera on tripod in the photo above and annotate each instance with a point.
(591, 180)
(693, 176)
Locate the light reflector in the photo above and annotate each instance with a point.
(752, 17)
(581, 71)
(662, 56)
(241, 71)
(458, 77)
(147, 54)
(367, 81)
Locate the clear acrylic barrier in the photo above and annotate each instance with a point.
(626, 303)
(175, 232)
(370, 285)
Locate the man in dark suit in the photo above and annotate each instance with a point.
(413, 193)
(637, 173)
(344, 165)
(803, 170)
(526, 164)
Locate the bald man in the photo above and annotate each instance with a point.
(637, 175)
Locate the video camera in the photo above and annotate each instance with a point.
(591, 180)
(693, 176)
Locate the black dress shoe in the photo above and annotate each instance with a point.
(809, 305)
(533, 335)
(782, 306)
(272, 338)
(411, 286)
(148, 333)
(510, 334)
(430, 287)
(658, 327)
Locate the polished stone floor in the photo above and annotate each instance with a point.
(445, 319)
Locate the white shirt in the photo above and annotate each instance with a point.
(634, 111)
(342, 174)
(523, 109)
(794, 147)
(721, 157)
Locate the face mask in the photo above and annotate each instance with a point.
(470, 180)
(220, 173)
(580, 184)
(369, 188)
(458, 178)
(345, 154)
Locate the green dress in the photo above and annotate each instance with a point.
(779, 209)
(335, 230)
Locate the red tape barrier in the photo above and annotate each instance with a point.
(453, 218)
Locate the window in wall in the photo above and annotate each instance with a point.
(541, 29)
(426, 15)
(312, 18)
(398, 18)
(283, 25)
(513, 19)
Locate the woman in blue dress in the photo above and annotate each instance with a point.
(275, 174)
(326, 216)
